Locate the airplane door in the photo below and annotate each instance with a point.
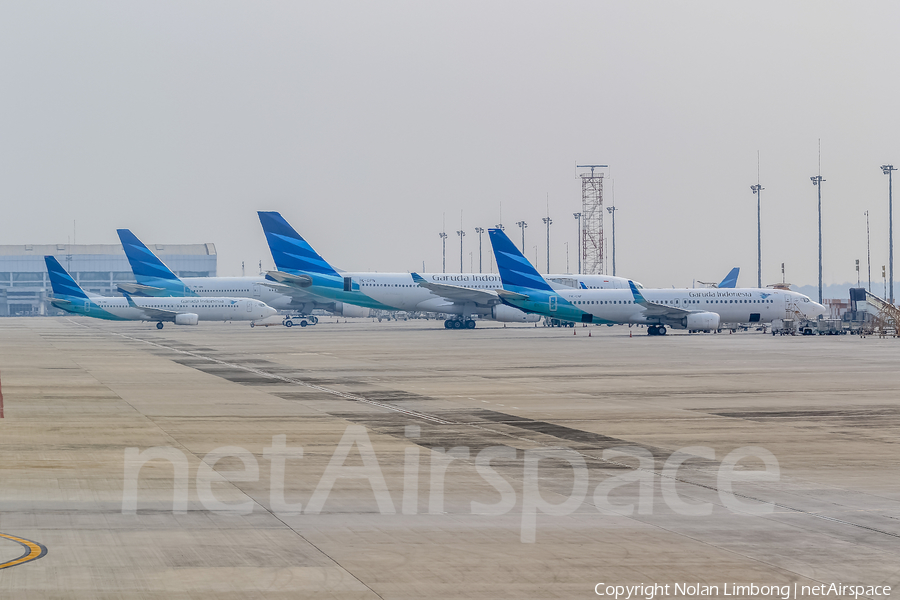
(249, 307)
(87, 306)
(553, 301)
(256, 291)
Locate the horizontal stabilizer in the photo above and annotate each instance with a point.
(141, 290)
(507, 295)
(290, 279)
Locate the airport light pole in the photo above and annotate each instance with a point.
(567, 257)
(757, 189)
(461, 235)
(578, 239)
(548, 221)
(868, 252)
(817, 181)
(479, 231)
(612, 210)
(857, 272)
(522, 225)
(443, 235)
(888, 170)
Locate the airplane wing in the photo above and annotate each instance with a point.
(152, 314)
(654, 309)
(456, 293)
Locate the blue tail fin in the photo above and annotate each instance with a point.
(62, 283)
(730, 280)
(515, 270)
(290, 251)
(148, 269)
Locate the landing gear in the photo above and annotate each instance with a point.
(159, 325)
(459, 324)
(656, 330)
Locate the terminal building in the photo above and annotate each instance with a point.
(98, 268)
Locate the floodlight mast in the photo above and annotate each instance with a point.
(757, 189)
(548, 221)
(578, 239)
(479, 231)
(612, 210)
(888, 170)
(817, 181)
(443, 235)
(522, 225)
(461, 235)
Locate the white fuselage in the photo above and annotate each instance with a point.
(733, 305)
(399, 291)
(207, 309)
(246, 287)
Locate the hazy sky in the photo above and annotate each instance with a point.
(364, 123)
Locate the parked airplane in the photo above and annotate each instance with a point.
(155, 279)
(694, 309)
(460, 294)
(181, 310)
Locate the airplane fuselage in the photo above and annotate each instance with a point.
(115, 308)
(398, 291)
(734, 305)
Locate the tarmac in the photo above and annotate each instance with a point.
(516, 462)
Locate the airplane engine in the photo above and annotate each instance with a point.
(508, 314)
(351, 310)
(187, 319)
(703, 321)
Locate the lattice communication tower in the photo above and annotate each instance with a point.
(592, 219)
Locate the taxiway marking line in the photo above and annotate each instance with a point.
(33, 551)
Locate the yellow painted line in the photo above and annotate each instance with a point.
(33, 551)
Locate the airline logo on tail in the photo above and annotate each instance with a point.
(730, 280)
(61, 282)
(289, 250)
(149, 270)
(515, 270)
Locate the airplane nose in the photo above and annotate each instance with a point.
(817, 310)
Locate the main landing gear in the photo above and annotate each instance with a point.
(459, 324)
(656, 330)
(159, 325)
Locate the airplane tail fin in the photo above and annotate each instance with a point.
(730, 280)
(62, 283)
(148, 269)
(290, 251)
(515, 270)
